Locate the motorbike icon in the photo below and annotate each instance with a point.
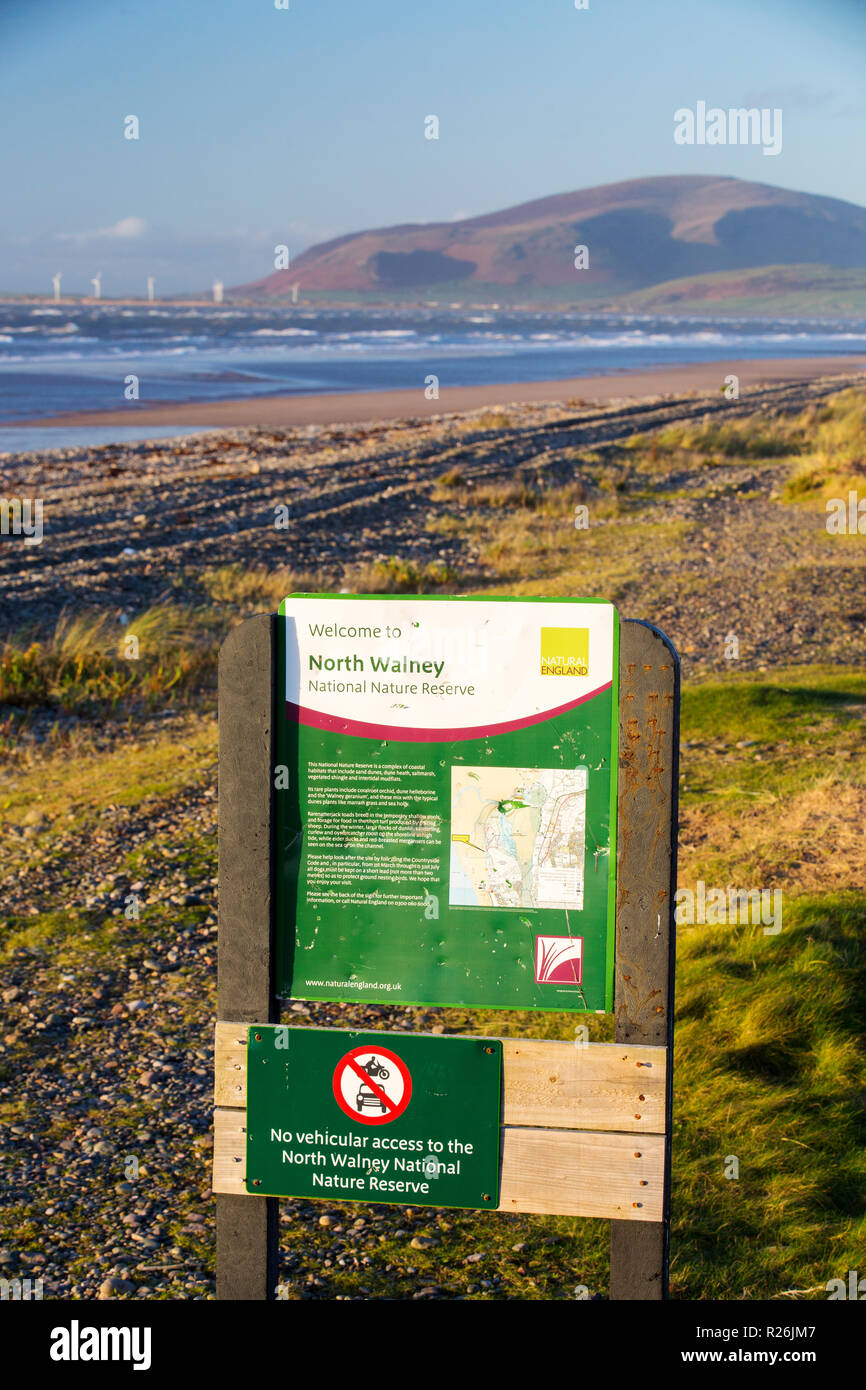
(367, 1098)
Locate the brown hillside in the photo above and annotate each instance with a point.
(639, 233)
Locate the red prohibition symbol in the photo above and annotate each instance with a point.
(372, 1085)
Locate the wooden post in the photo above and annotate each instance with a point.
(649, 695)
(246, 1229)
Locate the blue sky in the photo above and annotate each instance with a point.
(261, 126)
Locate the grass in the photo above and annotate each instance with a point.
(825, 443)
(786, 808)
(398, 575)
(522, 528)
(770, 1065)
(136, 770)
(770, 1061)
(93, 663)
(520, 532)
(771, 1069)
(521, 494)
(836, 463)
(254, 589)
(553, 558)
(716, 441)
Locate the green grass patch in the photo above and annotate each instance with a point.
(770, 1069)
(836, 459)
(398, 575)
(716, 440)
(92, 664)
(136, 769)
(779, 717)
(768, 706)
(255, 589)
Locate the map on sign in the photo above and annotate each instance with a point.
(517, 837)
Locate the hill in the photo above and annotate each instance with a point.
(805, 290)
(640, 233)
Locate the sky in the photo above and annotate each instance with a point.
(261, 126)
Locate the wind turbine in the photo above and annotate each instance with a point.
(55, 280)
(96, 282)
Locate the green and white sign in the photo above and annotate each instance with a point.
(373, 1117)
(446, 800)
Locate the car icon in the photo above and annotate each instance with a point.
(367, 1099)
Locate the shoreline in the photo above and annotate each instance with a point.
(280, 412)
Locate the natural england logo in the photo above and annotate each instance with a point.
(738, 125)
(564, 651)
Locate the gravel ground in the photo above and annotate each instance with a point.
(127, 525)
(106, 1042)
(109, 1060)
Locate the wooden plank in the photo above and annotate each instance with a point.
(646, 847)
(229, 1150)
(247, 1232)
(571, 1173)
(646, 885)
(245, 938)
(558, 1172)
(601, 1086)
(550, 1084)
(230, 1065)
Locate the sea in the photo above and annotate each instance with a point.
(60, 358)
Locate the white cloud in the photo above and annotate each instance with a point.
(126, 229)
(795, 94)
(127, 226)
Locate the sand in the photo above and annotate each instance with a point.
(280, 412)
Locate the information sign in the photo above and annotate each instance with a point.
(373, 1117)
(446, 800)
